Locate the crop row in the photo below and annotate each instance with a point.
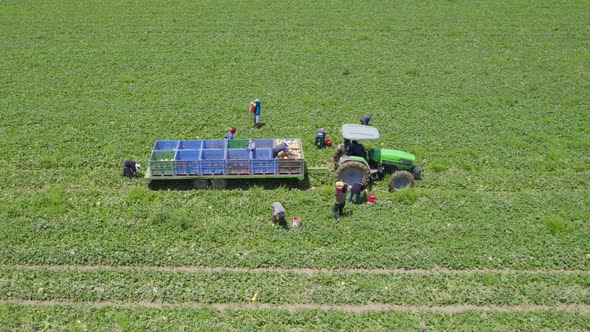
(430, 289)
(412, 229)
(83, 317)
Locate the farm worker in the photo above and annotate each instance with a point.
(251, 147)
(257, 113)
(357, 149)
(130, 167)
(356, 191)
(365, 118)
(230, 133)
(278, 214)
(283, 147)
(320, 138)
(340, 195)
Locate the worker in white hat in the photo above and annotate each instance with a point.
(130, 167)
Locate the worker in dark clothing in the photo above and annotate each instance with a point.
(356, 191)
(340, 196)
(357, 149)
(278, 214)
(130, 167)
(320, 138)
(283, 147)
(230, 133)
(365, 118)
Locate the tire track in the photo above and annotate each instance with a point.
(306, 271)
(451, 309)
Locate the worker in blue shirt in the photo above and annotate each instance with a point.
(257, 113)
(365, 118)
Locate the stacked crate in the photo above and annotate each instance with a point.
(162, 158)
(187, 158)
(223, 157)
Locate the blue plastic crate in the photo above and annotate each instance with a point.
(238, 162)
(263, 163)
(187, 162)
(165, 145)
(190, 145)
(212, 162)
(264, 143)
(214, 144)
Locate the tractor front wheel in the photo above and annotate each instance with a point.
(352, 172)
(401, 180)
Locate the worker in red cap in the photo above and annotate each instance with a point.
(230, 133)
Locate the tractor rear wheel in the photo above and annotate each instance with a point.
(401, 180)
(352, 172)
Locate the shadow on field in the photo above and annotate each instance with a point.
(232, 184)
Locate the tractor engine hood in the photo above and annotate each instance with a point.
(392, 157)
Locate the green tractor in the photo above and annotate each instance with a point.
(353, 164)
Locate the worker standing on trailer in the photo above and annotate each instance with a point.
(251, 148)
(320, 138)
(283, 147)
(278, 214)
(356, 191)
(130, 167)
(340, 196)
(257, 113)
(365, 118)
(230, 133)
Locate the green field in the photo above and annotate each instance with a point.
(491, 96)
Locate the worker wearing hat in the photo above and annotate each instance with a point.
(230, 133)
(340, 196)
(130, 167)
(365, 118)
(278, 214)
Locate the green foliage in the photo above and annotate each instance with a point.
(497, 115)
(556, 224)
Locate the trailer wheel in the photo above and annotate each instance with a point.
(200, 184)
(401, 180)
(219, 183)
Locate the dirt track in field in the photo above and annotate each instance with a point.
(451, 309)
(306, 271)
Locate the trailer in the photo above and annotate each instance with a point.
(214, 162)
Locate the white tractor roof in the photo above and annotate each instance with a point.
(356, 132)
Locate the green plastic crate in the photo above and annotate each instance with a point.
(162, 163)
(237, 143)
